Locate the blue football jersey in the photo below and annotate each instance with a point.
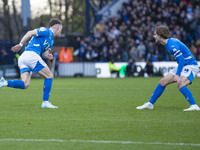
(181, 53)
(176, 48)
(42, 42)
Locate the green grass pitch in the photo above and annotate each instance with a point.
(98, 114)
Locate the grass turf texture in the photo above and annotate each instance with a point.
(101, 110)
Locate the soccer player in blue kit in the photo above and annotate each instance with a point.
(183, 74)
(31, 59)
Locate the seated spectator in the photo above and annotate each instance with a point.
(125, 56)
(4, 57)
(100, 27)
(90, 54)
(133, 53)
(130, 68)
(116, 32)
(141, 50)
(148, 70)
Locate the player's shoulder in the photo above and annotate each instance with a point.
(172, 45)
(173, 42)
(42, 29)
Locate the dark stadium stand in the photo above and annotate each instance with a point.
(130, 33)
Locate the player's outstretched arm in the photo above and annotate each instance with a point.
(26, 37)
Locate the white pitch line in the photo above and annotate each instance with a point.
(95, 141)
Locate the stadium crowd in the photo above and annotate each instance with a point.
(130, 33)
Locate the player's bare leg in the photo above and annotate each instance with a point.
(26, 78)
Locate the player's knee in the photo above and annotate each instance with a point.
(180, 86)
(26, 86)
(163, 82)
(49, 75)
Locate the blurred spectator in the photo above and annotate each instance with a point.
(16, 57)
(153, 57)
(131, 68)
(100, 28)
(113, 69)
(56, 59)
(125, 56)
(104, 54)
(80, 51)
(133, 53)
(116, 32)
(148, 70)
(65, 55)
(4, 57)
(90, 54)
(124, 15)
(141, 50)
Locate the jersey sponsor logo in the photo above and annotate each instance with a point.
(186, 70)
(46, 44)
(43, 29)
(36, 44)
(174, 49)
(172, 46)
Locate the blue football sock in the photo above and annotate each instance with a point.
(16, 84)
(47, 88)
(156, 94)
(188, 95)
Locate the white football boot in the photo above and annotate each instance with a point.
(145, 106)
(192, 108)
(3, 82)
(47, 104)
